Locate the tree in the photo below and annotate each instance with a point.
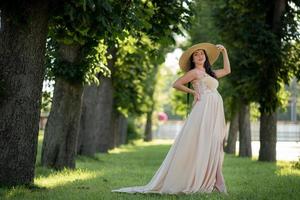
(130, 78)
(97, 101)
(23, 34)
(163, 25)
(74, 60)
(256, 30)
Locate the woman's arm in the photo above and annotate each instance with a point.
(187, 77)
(226, 69)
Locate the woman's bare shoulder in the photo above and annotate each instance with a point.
(199, 74)
(195, 72)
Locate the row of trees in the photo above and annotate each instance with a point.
(262, 39)
(103, 57)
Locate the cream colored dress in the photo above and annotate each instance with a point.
(194, 161)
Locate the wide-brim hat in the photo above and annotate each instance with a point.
(211, 50)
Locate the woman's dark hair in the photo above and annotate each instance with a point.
(208, 70)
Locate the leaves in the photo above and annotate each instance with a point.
(257, 49)
(142, 32)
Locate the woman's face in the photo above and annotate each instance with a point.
(199, 57)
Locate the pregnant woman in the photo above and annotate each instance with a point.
(194, 161)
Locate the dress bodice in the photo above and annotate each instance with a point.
(205, 84)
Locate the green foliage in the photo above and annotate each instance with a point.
(254, 111)
(179, 102)
(81, 20)
(133, 131)
(283, 96)
(180, 109)
(243, 30)
(89, 19)
(291, 94)
(259, 50)
(163, 91)
(142, 51)
(254, 49)
(296, 165)
(141, 32)
(90, 61)
(291, 53)
(170, 16)
(96, 59)
(85, 24)
(46, 101)
(203, 27)
(130, 75)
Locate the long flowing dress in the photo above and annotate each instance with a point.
(194, 161)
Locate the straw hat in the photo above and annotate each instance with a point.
(211, 50)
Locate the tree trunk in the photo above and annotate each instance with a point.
(151, 89)
(106, 106)
(232, 135)
(59, 145)
(120, 129)
(123, 129)
(245, 149)
(90, 117)
(96, 132)
(148, 128)
(23, 34)
(61, 133)
(268, 137)
(268, 134)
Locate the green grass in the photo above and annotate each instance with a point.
(135, 164)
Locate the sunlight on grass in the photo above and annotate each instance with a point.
(64, 177)
(155, 142)
(134, 164)
(122, 150)
(140, 143)
(285, 169)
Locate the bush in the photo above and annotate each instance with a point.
(296, 164)
(133, 132)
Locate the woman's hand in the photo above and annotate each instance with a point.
(196, 97)
(226, 69)
(221, 47)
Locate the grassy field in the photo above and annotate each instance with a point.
(135, 164)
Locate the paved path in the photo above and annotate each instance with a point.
(286, 150)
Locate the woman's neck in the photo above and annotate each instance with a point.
(201, 67)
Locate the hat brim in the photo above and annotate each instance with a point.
(211, 50)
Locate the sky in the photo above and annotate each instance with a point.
(172, 58)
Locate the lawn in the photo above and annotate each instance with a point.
(135, 164)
